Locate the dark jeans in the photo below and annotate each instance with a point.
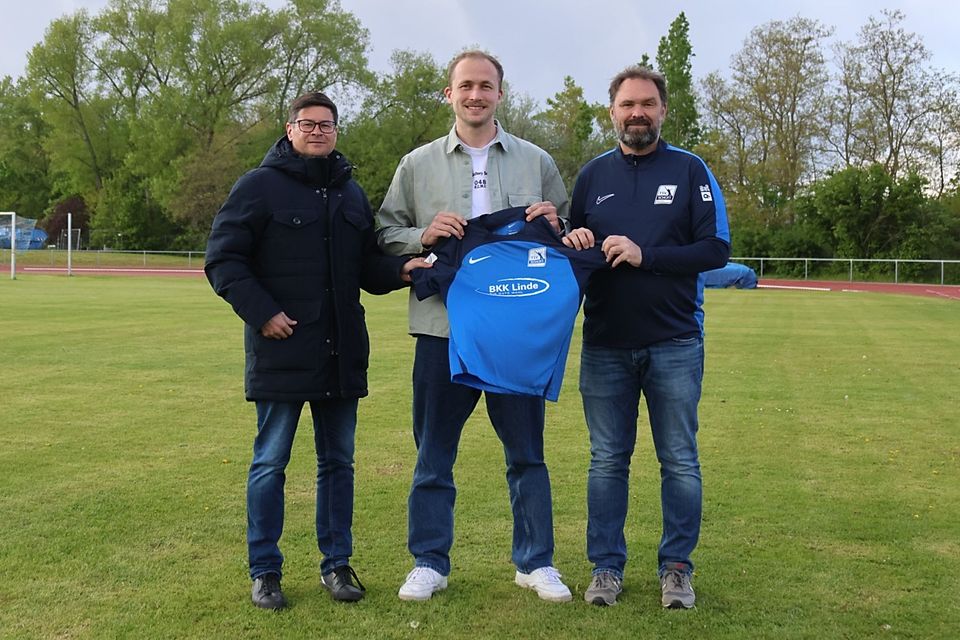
(669, 374)
(334, 424)
(440, 409)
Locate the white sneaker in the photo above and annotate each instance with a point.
(421, 583)
(546, 582)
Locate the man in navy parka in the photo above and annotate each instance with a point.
(290, 250)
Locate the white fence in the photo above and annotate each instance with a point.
(107, 258)
(930, 271)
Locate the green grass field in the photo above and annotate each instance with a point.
(830, 446)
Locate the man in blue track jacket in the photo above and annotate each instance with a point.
(662, 221)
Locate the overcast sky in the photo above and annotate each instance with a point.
(540, 42)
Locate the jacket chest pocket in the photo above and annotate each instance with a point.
(294, 233)
(284, 221)
(356, 217)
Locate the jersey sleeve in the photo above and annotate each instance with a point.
(437, 279)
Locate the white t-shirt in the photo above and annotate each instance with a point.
(481, 195)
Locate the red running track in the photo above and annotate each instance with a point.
(951, 292)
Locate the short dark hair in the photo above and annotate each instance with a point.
(312, 99)
(475, 53)
(639, 72)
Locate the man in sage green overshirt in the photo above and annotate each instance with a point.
(476, 169)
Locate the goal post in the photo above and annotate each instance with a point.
(13, 241)
(18, 236)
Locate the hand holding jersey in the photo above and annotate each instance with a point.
(620, 249)
(443, 225)
(546, 209)
(617, 249)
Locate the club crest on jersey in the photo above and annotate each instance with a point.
(537, 257)
(665, 193)
(705, 194)
(515, 288)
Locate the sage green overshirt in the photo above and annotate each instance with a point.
(439, 177)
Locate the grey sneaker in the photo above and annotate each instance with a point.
(675, 588)
(603, 589)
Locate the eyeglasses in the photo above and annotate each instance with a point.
(307, 126)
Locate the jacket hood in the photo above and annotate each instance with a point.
(332, 171)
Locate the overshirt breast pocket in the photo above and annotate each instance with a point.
(522, 199)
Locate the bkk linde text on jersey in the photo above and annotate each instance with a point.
(515, 287)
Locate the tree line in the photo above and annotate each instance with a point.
(139, 119)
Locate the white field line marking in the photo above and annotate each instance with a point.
(943, 295)
(117, 269)
(785, 286)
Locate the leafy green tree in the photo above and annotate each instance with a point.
(127, 217)
(871, 215)
(674, 60)
(205, 177)
(25, 185)
(128, 57)
(237, 66)
(517, 112)
(220, 53)
(321, 47)
(771, 111)
(570, 132)
(941, 144)
(407, 109)
(947, 244)
(61, 72)
(887, 101)
(163, 94)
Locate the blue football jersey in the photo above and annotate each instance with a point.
(512, 291)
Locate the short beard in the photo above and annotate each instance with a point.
(638, 140)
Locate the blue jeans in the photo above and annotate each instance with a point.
(669, 375)
(334, 424)
(440, 409)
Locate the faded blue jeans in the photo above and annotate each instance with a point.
(669, 375)
(334, 425)
(440, 409)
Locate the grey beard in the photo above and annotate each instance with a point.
(638, 140)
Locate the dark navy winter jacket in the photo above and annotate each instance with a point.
(297, 235)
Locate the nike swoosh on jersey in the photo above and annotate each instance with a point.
(606, 197)
(476, 260)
